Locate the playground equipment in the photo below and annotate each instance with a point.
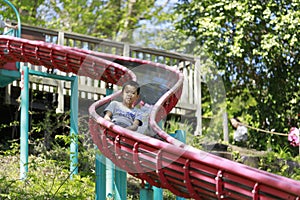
(9, 71)
(24, 124)
(169, 164)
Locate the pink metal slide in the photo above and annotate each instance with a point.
(169, 164)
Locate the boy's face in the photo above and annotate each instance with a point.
(129, 95)
(234, 123)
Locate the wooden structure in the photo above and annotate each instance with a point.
(90, 89)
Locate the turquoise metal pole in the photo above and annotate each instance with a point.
(24, 123)
(110, 179)
(73, 116)
(110, 167)
(74, 128)
(54, 76)
(100, 176)
(181, 136)
(158, 192)
(146, 193)
(18, 34)
(101, 169)
(120, 184)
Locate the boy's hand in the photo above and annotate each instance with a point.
(135, 125)
(108, 116)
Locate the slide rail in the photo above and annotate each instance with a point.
(170, 164)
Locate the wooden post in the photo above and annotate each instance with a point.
(197, 97)
(60, 83)
(8, 94)
(126, 50)
(225, 127)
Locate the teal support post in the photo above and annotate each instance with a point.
(111, 182)
(181, 136)
(120, 184)
(158, 192)
(100, 177)
(110, 179)
(110, 167)
(74, 127)
(24, 122)
(109, 89)
(24, 119)
(180, 198)
(146, 193)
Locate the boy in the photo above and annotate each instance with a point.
(3, 24)
(241, 131)
(124, 113)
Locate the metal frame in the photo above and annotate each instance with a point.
(24, 120)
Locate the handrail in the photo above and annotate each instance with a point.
(92, 39)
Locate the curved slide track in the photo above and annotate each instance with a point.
(167, 163)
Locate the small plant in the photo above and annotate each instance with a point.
(280, 161)
(236, 156)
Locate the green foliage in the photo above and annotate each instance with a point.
(281, 161)
(255, 46)
(113, 19)
(168, 195)
(49, 169)
(46, 179)
(11, 124)
(173, 124)
(14, 148)
(236, 156)
(51, 126)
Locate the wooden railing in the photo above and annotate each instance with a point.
(190, 101)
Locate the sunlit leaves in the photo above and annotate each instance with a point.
(113, 19)
(256, 44)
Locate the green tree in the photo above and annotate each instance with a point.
(112, 19)
(255, 46)
(29, 11)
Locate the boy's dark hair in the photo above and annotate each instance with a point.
(132, 83)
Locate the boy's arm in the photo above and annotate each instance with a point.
(3, 24)
(11, 26)
(135, 125)
(108, 112)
